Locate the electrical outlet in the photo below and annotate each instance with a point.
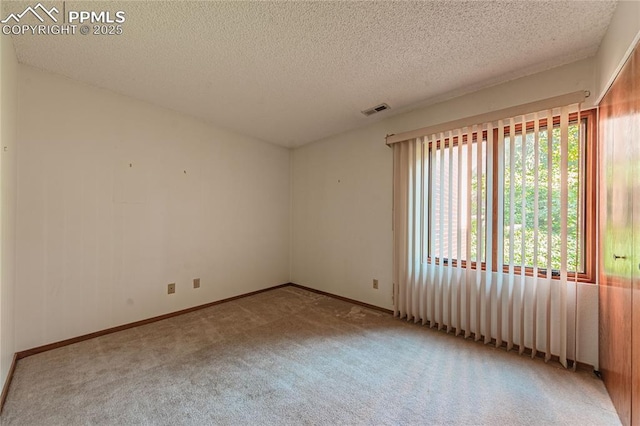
(375, 284)
(196, 283)
(171, 288)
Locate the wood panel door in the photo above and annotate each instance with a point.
(619, 312)
(635, 189)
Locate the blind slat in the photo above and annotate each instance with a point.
(432, 267)
(523, 227)
(459, 237)
(480, 241)
(564, 195)
(536, 218)
(500, 237)
(450, 225)
(547, 355)
(467, 286)
(512, 179)
(489, 238)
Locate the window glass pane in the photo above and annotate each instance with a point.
(449, 199)
(478, 201)
(524, 160)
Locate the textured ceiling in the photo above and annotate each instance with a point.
(294, 72)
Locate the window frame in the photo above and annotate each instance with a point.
(589, 203)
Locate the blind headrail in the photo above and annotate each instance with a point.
(488, 117)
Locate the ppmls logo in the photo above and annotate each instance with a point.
(102, 22)
(34, 11)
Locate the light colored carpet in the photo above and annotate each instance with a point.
(289, 356)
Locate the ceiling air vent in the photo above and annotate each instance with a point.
(375, 109)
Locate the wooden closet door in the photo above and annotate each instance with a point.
(616, 130)
(635, 190)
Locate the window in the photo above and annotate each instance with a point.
(453, 215)
(459, 215)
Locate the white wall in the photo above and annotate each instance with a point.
(99, 240)
(8, 106)
(621, 37)
(342, 195)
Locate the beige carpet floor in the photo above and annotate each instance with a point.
(289, 356)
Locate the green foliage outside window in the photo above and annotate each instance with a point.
(525, 159)
(526, 173)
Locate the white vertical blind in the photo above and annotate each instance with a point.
(480, 242)
(536, 217)
(564, 195)
(455, 266)
(512, 178)
(489, 255)
(440, 236)
(549, 274)
(467, 282)
(500, 231)
(580, 212)
(459, 270)
(523, 220)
